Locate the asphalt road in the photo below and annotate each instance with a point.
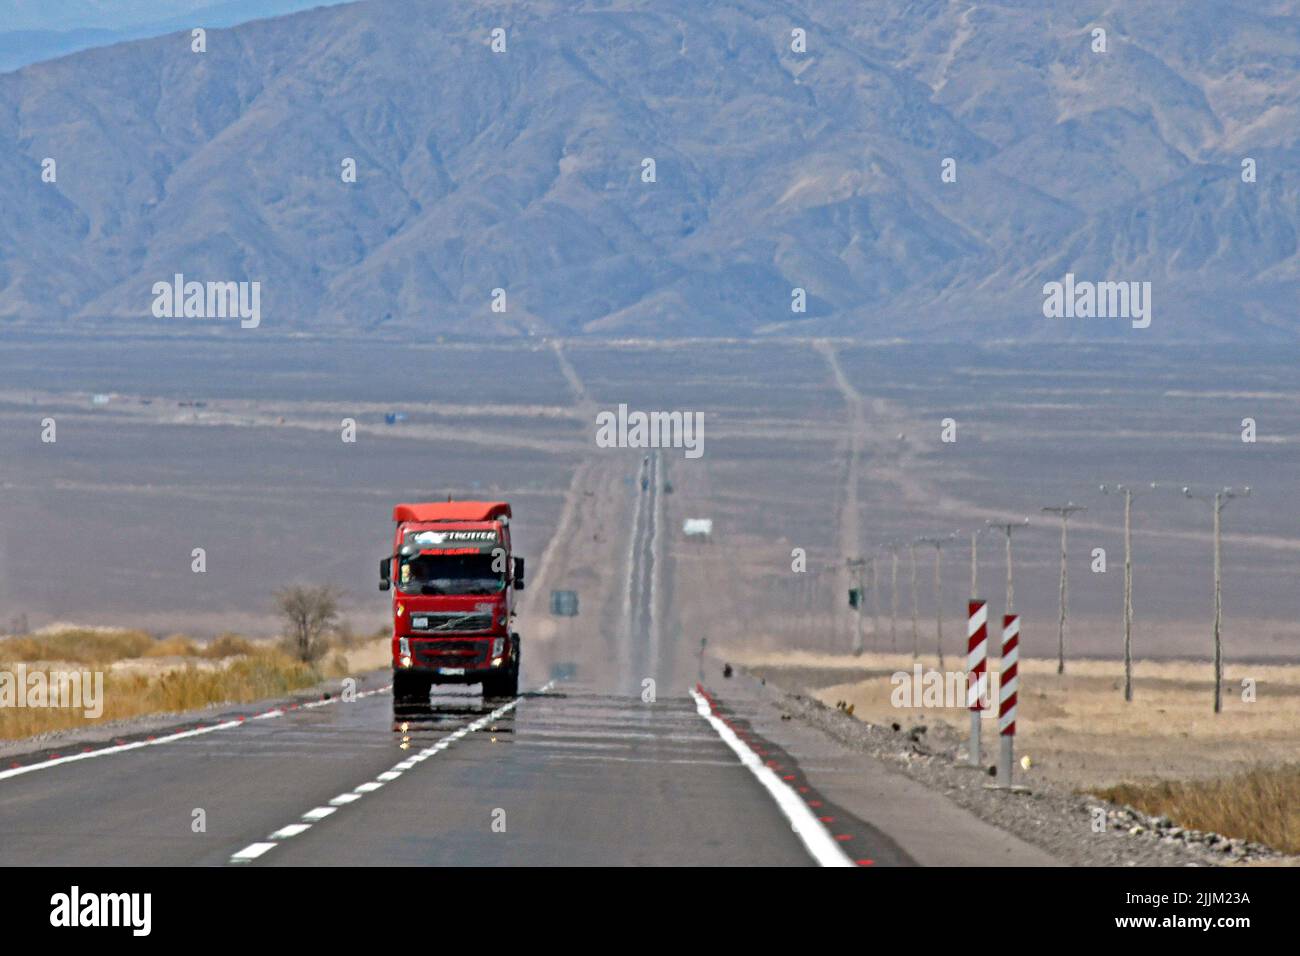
(570, 773)
(569, 777)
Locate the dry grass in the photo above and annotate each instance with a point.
(142, 676)
(374, 654)
(104, 646)
(1262, 805)
(346, 639)
(257, 676)
(77, 646)
(177, 645)
(228, 645)
(1077, 727)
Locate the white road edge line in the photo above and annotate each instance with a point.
(169, 738)
(815, 837)
(254, 850)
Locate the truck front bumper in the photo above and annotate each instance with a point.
(455, 675)
(454, 661)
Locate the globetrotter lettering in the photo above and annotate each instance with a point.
(445, 537)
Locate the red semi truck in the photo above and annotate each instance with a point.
(453, 578)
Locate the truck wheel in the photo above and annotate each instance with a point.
(411, 688)
(507, 684)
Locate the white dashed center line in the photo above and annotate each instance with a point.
(255, 850)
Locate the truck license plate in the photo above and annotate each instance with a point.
(451, 671)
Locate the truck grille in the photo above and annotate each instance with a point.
(433, 622)
(467, 654)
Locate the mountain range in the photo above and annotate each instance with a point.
(520, 164)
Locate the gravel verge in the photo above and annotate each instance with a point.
(1060, 821)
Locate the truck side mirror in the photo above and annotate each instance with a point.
(385, 572)
(519, 574)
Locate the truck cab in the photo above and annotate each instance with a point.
(453, 577)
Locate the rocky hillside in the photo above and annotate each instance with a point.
(773, 169)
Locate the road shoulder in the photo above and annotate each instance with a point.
(928, 827)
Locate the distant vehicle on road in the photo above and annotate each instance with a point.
(698, 529)
(564, 603)
(454, 578)
(564, 670)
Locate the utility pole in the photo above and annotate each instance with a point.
(1006, 527)
(856, 566)
(916, 635)
(875, 605)
(809, 604)
(1127, 492)
(1064, 512)
(893, 597)
(938, 544)
(1220, 499)
(1007, 660)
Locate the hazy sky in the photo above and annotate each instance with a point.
(35, 30)
(124, 14)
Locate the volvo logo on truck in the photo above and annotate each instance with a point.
(453, 579)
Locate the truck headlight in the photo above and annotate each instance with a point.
(404, 646)
(498, 646)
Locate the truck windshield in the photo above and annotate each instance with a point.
(450, 574)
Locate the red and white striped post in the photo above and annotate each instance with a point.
(976, 671)
(1009, 683)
